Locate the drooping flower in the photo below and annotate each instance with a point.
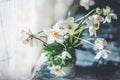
(109, 14)
(87, 3)
(100, 43)
(28, 37)
(65, 54)
(53, 35)
(57, 70)
(93, 22)
(102, 54)
(67, 26)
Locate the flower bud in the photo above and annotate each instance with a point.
(99, 11)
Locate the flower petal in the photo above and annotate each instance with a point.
(47, 31)
(105, 55)
(70, 20)
(98, 56)
(114, 16)
(91, 3)
(92, 31)
(50, 40)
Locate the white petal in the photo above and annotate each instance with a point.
(22, 37)
(71, 32)
(108, 8)
(92, 31)
(98, 46)
(100, 18)
(75, 26)
(64, 55)
(86, 7)
(114, 16)
(91, 3)
(69, 56)
(63, 73)
(31, 43)
(98, 56)
(36, 42)
(59, 39)
(29, 31)
(25, 42)
(50, 40)
(70, 20)
(108, 19)
(47, 31)
(52, 72)
(63, 32)
(105, 55)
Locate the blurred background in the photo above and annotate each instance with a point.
(18, 60)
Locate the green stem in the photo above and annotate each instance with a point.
(77, 45)
(39, 39)
(64, 46)
(43, 36)
(71, 39)
(40, 32)
(84, 40)
(81, 29)
(85, 15)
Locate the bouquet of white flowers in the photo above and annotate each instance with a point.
(67, 35)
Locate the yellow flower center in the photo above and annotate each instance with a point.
(95, 25)
(23, 31)
(69, 27)
(54, 33)
(56, 70)
(29, 38)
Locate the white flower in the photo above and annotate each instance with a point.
(53, 35)
(60, 27)
(71, 25)
(103, 54)
(100, 43)
(57, 71)
(93, 22)
(28, 37)
(65, 54)
(109, 14)
(66, 26)
(87, 3)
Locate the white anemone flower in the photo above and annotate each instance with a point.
(53, 35)
(28, 37)
(100, 43)
(87, 3)
(65, 54)
(67, 26)
(57, 71)
(93, 22)
(71, 25)
(103, 54)
(109, 14)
